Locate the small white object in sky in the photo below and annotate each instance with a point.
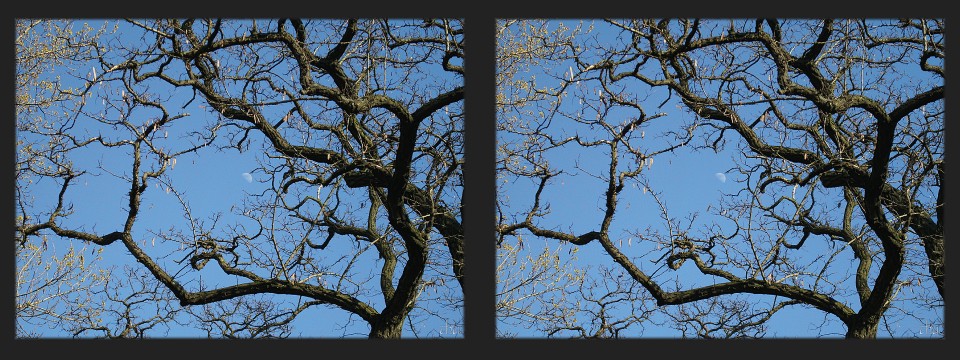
(247, 177)
(721, 176)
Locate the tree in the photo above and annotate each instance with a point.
(53, 283)
(837, 127)
(536, 287)
(355, 130)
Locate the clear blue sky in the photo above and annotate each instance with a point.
(687, 181)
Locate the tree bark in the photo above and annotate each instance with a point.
(863, 330)
(386, 328)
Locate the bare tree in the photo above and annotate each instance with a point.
(54, 280)
(839, 129)
(536, 286)
(357, 129)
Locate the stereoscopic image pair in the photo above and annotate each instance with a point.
(304, 178)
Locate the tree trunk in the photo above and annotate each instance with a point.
(863, 331)
(386, 329)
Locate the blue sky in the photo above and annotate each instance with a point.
(686, 180)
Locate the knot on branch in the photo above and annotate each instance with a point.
(207, 249)
(687, 251)
(197, 262)
(675, 261)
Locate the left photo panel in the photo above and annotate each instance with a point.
(228, 178)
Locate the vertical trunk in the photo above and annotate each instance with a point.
(386, 329)
(933, 245)
(866, 330)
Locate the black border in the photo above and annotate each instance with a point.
(480, 17)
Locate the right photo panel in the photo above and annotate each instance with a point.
(720, 178)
